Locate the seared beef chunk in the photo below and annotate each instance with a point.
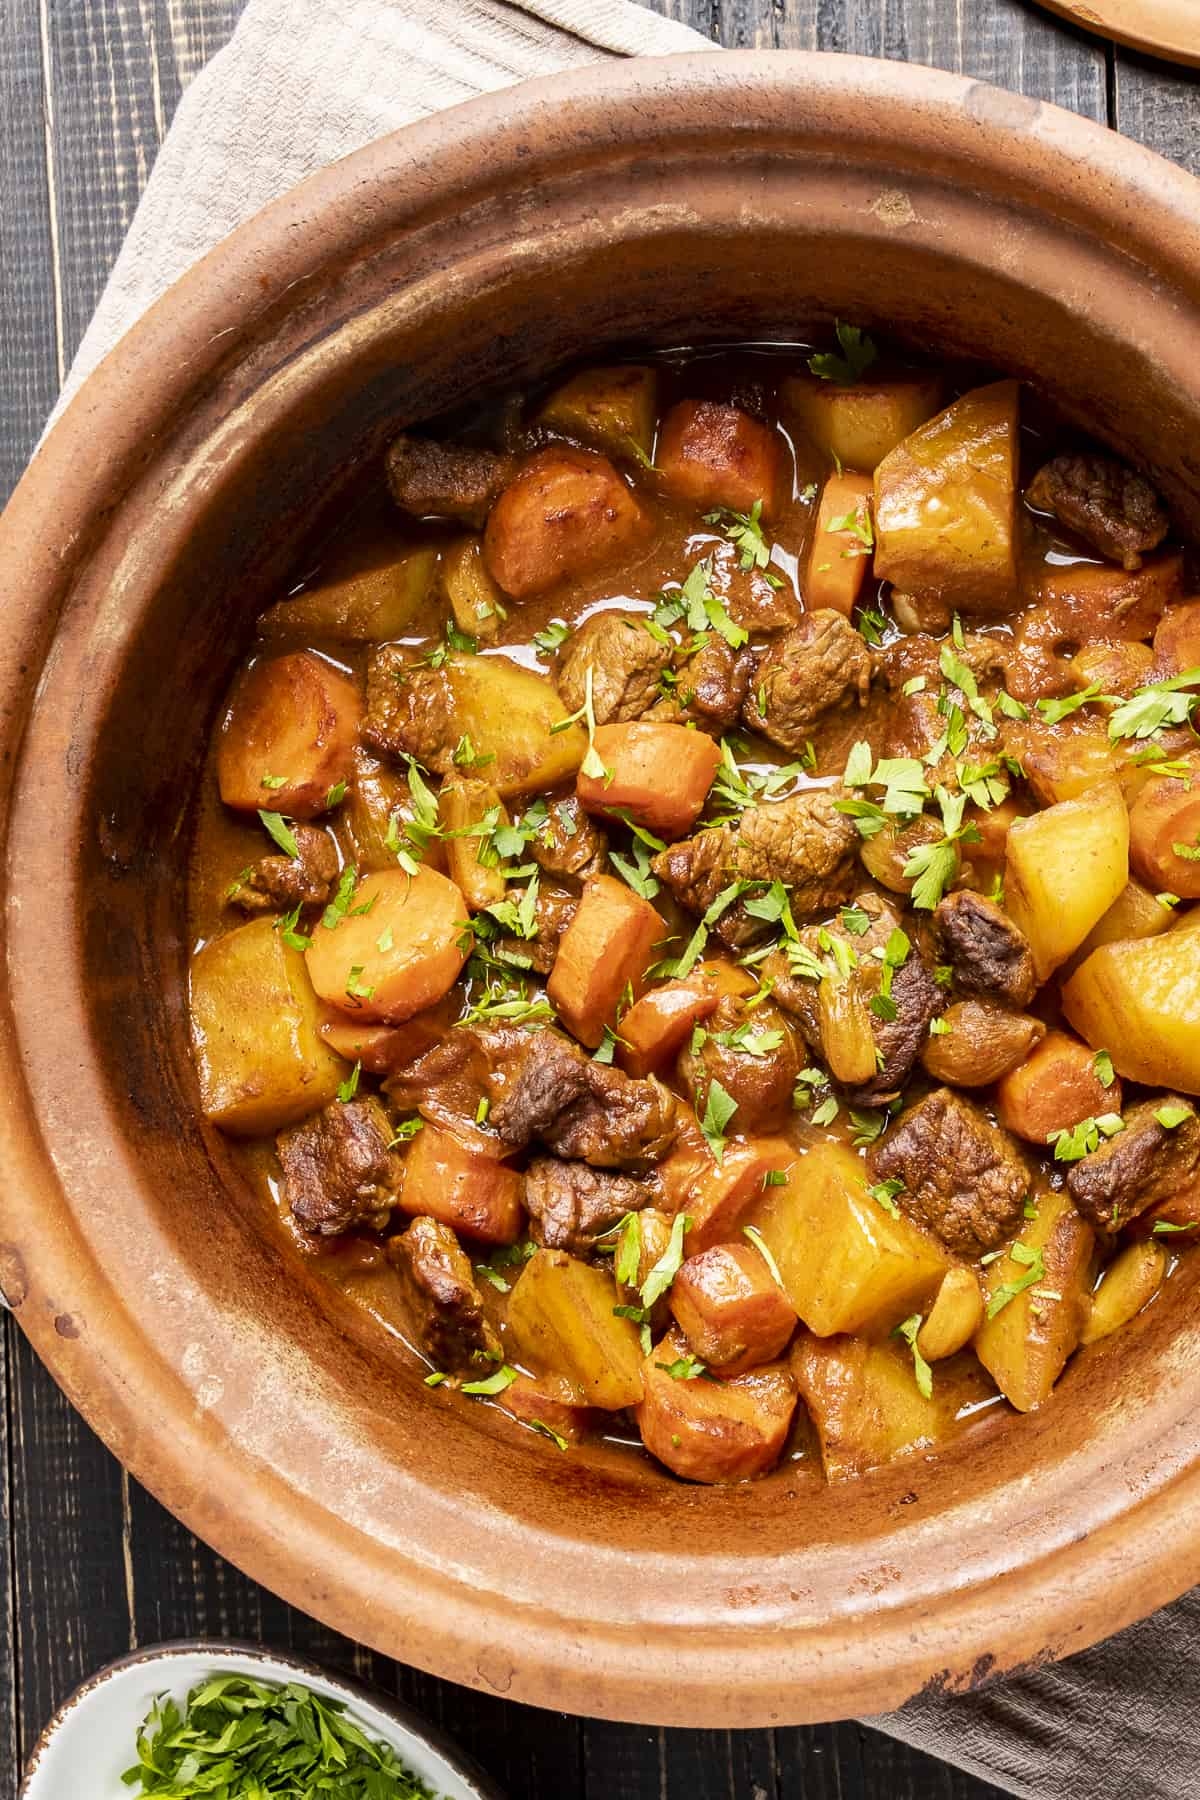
(964, 1179)
(1139, 1167)
(554, 908)
(280, 883)
(448, 481)
(752, 1054)
(913, 992)
(802, 841)
(409, 710)
(337, 1169)
(583, 1109)
(444, 1079)
(709, 686)
(919, 655)
(570, 843)
(443, 1305)
(625, 661)
(822, 663)
(571, 1205)
(1118, 512)
(988, 953)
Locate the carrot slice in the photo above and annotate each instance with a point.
(456, 1182)
(605, 950)
(658, 774)
(396, 949)
(842, 541)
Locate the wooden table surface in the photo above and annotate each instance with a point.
(94, 1566)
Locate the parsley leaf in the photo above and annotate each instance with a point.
(744, 531)
(908, 1329)
(244, 1740)
(719, 1109)
(280, 830)
(858, 353)
(1102, 1063)
(1054, 710)
(551, 639)
(1160, 703)
(668, 1265)
(1035, 1270)
(1169, 1117)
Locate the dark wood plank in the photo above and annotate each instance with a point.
(1159, 105)
(1003, 41)
(70, 1573)
(28, 323)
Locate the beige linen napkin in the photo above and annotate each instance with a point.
(301, 83)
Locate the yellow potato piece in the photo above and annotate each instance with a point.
(945, 504)
(254, 1020)
(1064, 868)
(1140, 1001)
(865, 1403)
(1025, 1343)
(858, 425)
(507, 712)
(954, 1317)
(462, 804)
(609, 409)
(844, 1261)
(367, 598)
(475, 600)
(1130, 1281)
(561, 1319)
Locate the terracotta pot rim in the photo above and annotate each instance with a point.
(1088, 179)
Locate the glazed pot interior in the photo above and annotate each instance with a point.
(301, 1444)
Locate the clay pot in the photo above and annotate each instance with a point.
(704, 198)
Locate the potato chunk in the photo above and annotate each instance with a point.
(712, 455)
(1164, 831)
(1054, 1089)
(561, 1318)
(658, 774)
(288, 736)
(945, 504)
(1130, 1282)
(731, 1309)
(954, 1317)
(1135, 913)
(857, 426)
(475, 600)
(364, 597)
(845, 1261)
(1065, 867)
(398, 949)
(866, 1405)
(606, 948)
(447, 1178)
(611, 409)
(566, 514)
(1140, 1001)
(1028, 1335)
(839, 557)
(255, 1019)
(508, 714)
(461, 805)
(714, 1431)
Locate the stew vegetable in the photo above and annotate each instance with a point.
(694, 905)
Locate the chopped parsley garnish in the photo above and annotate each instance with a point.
(683, 965)
(455, 640)
(336, 795)
(552, 638)
(1102, 1063)
(514, 1002)
(826, 1113)
(760, 1244)
(280, 830)
(356, 987)
(1189, 852)
(1159, 704)
(339, 906)
(908, 1329)
(744, 531)
(1170, 1117)
(856, 524)
(1162, 1227)
(868, 1123)
(586, 714)
(492, 1384)
(871, 623)
(1035, 1270)
(273, 781)
(884, 1194)
(348, 1088)
(405, 1130)
(1082, 1139)
(544, 1430)
(684, 1368)
(1053, 710)
(288, 927)
(465, 755)
(719, 1108)
(854, 920)
(636, 872)
(239, 1739)
(858, 352)
(668, 1265)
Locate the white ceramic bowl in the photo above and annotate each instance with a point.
(92, 1738)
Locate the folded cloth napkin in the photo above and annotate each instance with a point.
(301, 83)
